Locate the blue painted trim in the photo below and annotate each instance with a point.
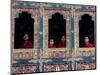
(40, 41)
(72, 32)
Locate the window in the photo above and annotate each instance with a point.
(24, 30)
(57, 31)
(86, 31)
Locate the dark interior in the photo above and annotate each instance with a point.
(23, 24)
(86, 28)
(57, 27)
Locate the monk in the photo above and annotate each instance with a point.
(51, 44)
(87, 42)
(27, 43)
(62, 43)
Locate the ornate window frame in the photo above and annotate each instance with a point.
(34, 14)
(49, 52)
(78, 13)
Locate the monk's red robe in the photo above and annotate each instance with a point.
(27, 44)
(62, 45)
(90, 45)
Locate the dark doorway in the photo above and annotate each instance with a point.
(86, 31)
(57, 30)
(24, 28)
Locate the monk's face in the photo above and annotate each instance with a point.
(86, 39)
(26, 37)
(51, 42)
(63, 39)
